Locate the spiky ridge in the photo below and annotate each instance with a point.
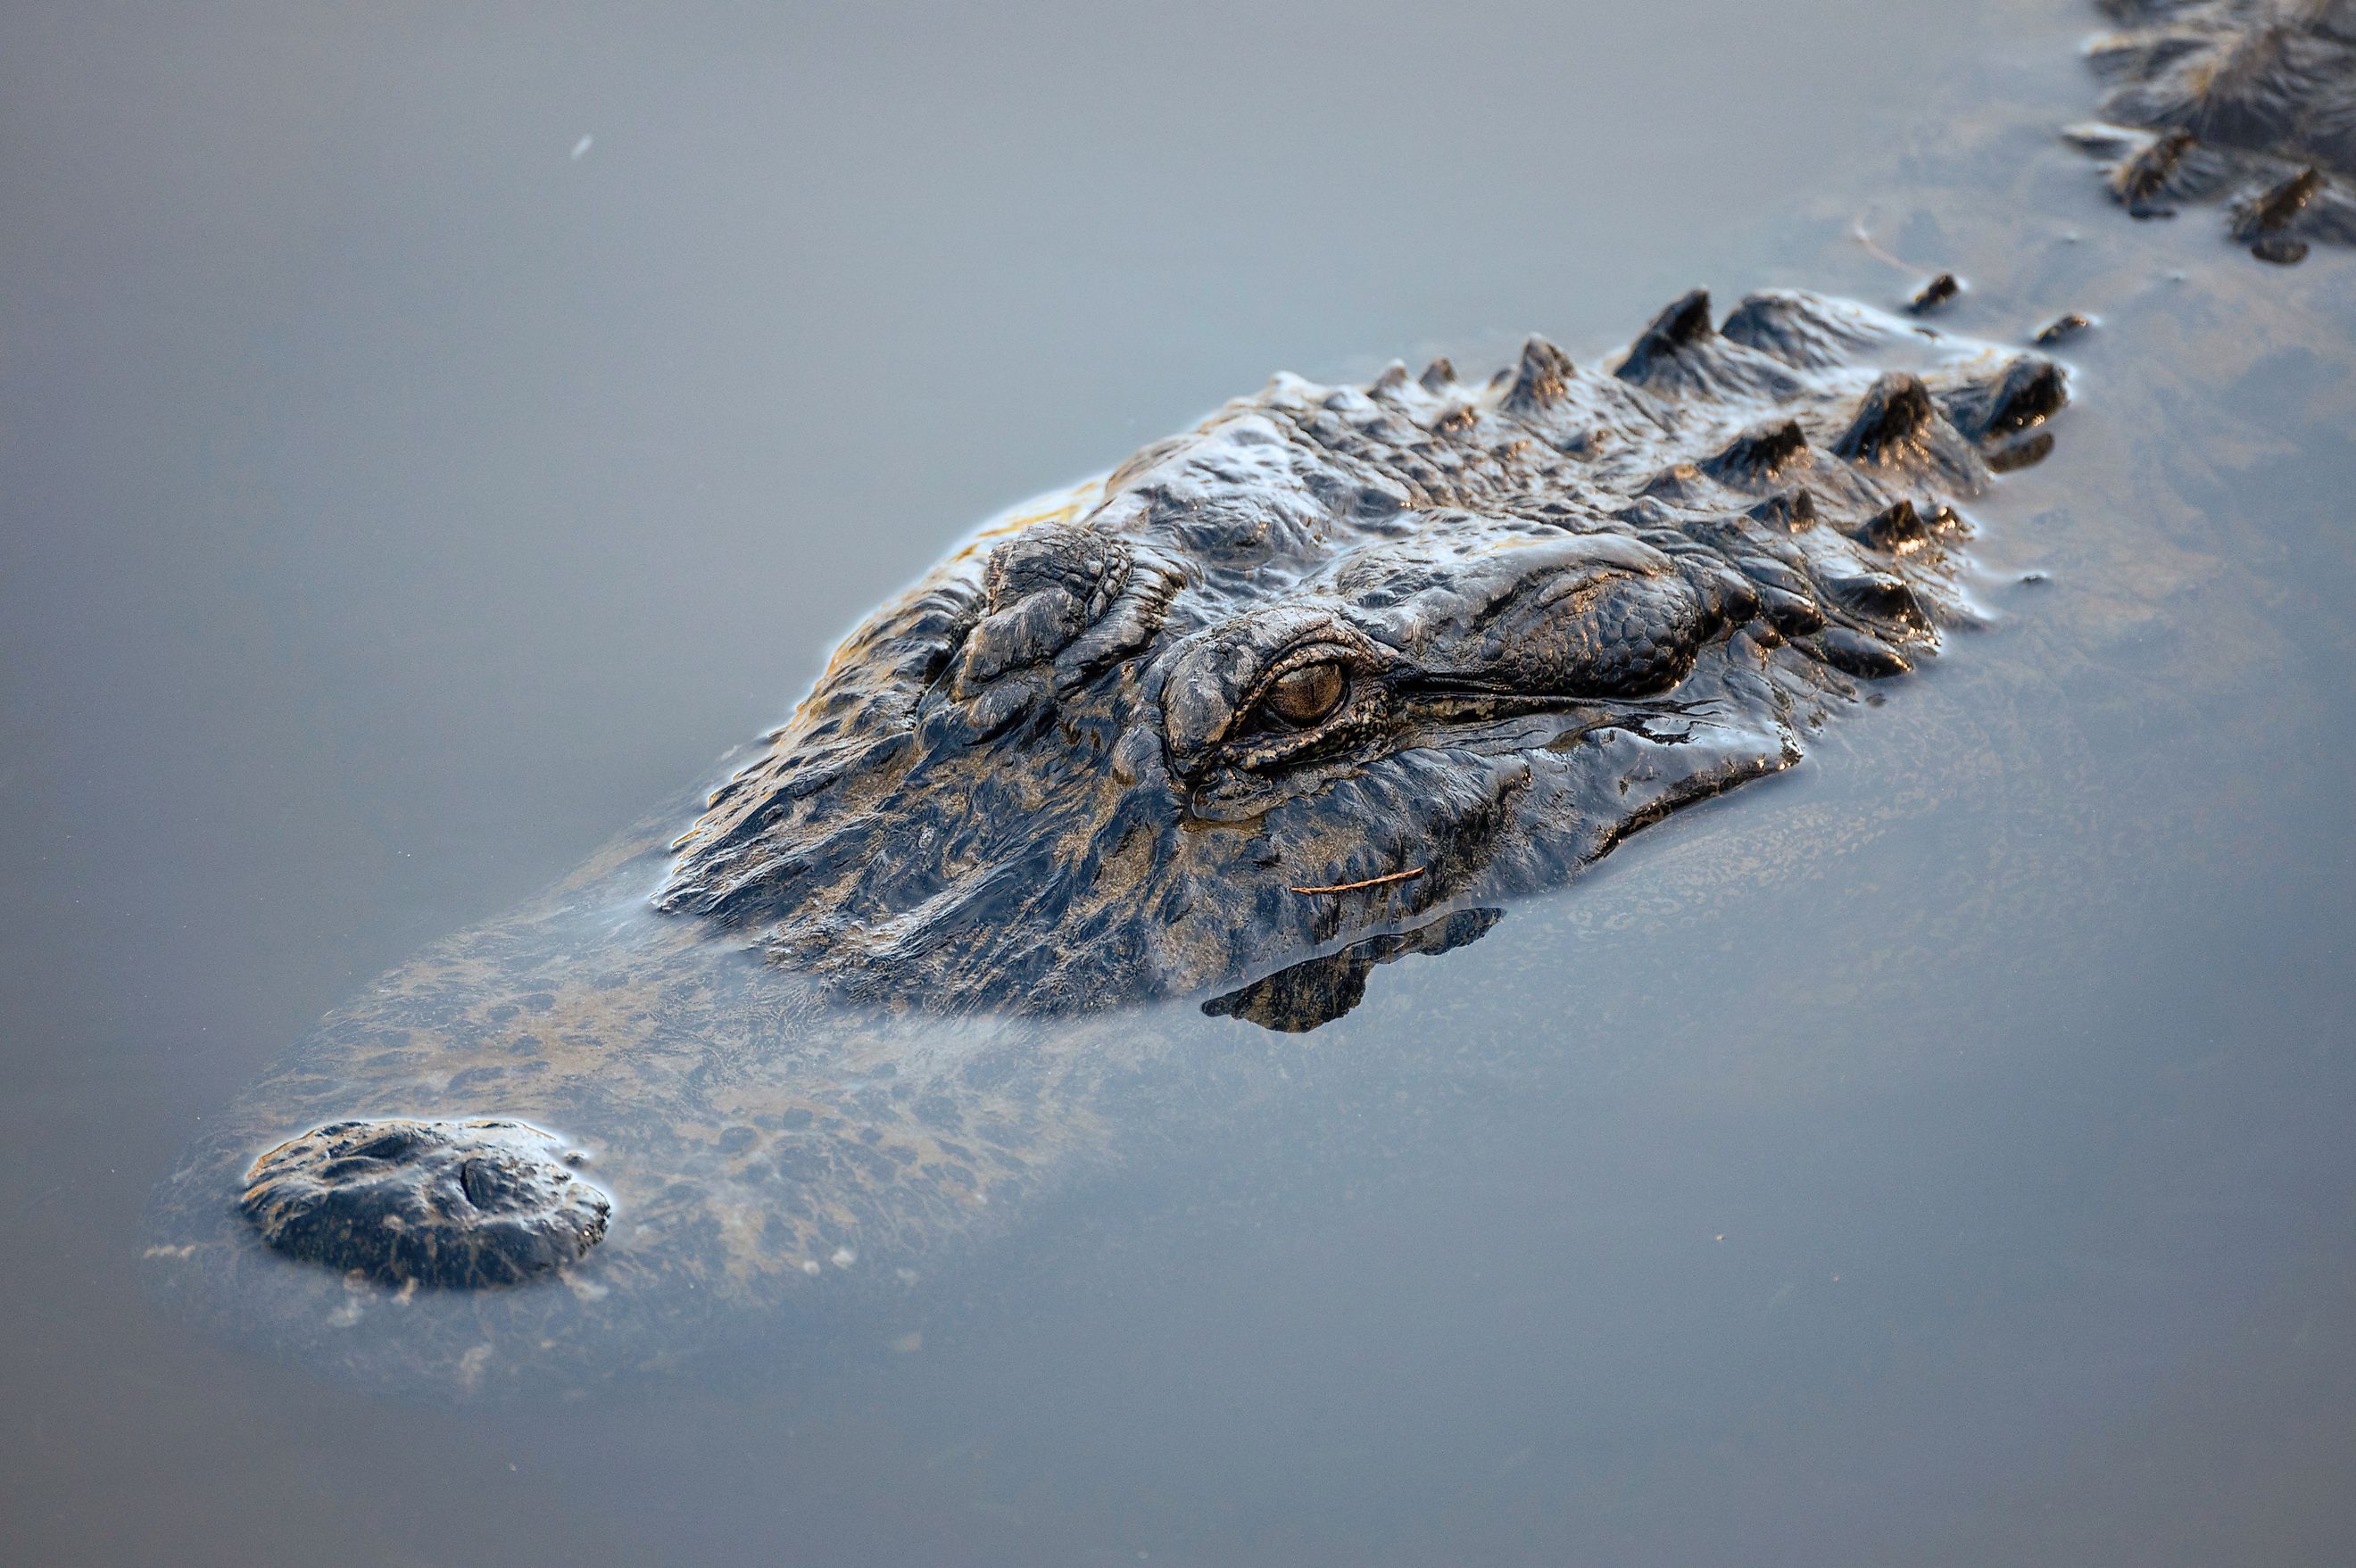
(984, 803)
(2250, 103)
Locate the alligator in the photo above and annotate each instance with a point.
(2250, 103)
(1314, 686)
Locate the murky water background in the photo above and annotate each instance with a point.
(1939, 1154)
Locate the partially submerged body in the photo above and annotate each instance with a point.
(1310, 688)
(2250, 103)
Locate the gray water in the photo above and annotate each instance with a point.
(431, 436)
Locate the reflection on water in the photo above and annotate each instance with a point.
(1936, 1154)
(1313, 993)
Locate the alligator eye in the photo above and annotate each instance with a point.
(1302, 696)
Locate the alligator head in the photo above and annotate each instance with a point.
(1307, 690)
(1342, 660)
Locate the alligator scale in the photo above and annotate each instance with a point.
(1313, 685)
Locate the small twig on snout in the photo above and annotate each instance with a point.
(1370, 882)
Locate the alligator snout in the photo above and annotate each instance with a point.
(445, 1204)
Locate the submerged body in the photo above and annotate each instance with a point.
(1310, 688)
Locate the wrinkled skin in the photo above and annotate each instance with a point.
(433, 1203)
(2249, 103)
(1429, 643)
(1309, 688)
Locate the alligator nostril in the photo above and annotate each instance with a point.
(479, 1180)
